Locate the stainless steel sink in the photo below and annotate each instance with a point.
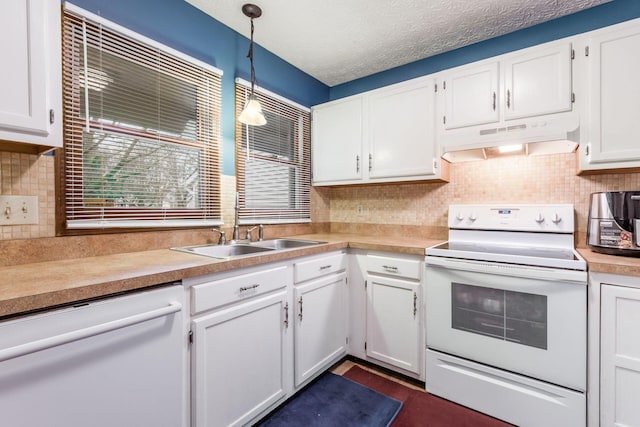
(286, 243)
(235, 250)
(224, 251)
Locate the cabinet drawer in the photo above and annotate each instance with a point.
(224, 291)
(306, 270)
(409, 268)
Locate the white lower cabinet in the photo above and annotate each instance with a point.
(320, 333)
(253, 345)
(619, 355)
(393, 309)
(240, 351)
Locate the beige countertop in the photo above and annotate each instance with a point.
(612, 264)
(40, 285)
(34, 286)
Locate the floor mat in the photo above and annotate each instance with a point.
(333, 401)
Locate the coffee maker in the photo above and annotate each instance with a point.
(614, 223)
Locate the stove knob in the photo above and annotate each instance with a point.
(473, 217)
(540, 218)
(556, 219)
(459, 217)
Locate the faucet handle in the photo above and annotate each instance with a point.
(248, 232)
(223, 239)
(260, 232)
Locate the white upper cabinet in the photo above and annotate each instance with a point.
(613, 67)
(538, 83)
(471, 96)
(401, 131)
(30, 78)
(384, 135)
(337, 141)
(523, 96)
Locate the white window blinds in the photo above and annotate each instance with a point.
(273, 161)
(142, 132)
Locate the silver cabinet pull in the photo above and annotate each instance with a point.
(494, 101)
(325, 267)
(248, 288)
(391, 268)
(357, 164)
(52, 116)
(508, 98)
(300, 305)
(415, 304)
(370, 161)
(286, 315)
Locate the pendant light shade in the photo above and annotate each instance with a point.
(252, 114)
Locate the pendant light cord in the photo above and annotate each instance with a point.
(250, 56)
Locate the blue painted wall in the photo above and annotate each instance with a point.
(587, 20)
(183, 27)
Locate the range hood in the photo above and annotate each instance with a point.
(558, 133)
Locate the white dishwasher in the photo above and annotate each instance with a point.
(118, 361)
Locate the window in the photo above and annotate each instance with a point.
(142, 138)
(273, 161)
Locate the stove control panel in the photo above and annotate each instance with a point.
(557, 218)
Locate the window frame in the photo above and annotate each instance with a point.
(301, 151)
(208, 135)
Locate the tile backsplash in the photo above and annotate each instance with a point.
(422, 207)
(29, 175)
(402, 208)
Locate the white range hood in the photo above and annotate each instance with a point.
(558, 133)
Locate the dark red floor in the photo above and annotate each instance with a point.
(422, 409)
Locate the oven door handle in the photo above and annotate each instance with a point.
(524, 271)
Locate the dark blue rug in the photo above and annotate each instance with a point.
(334, 401)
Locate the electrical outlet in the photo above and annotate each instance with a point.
(18, 210)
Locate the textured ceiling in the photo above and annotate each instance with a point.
(337, 41)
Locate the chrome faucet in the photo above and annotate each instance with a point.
(236, 226)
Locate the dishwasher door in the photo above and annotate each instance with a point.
(113, 362)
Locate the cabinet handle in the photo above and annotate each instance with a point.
(435, 164)
(494, 101)
(415, 304)
(370, 160)
(586, 150)
(248, 288)
(324, 267)
(391, 268)
(508, 98)
(357, 164)
(286, 315)
(300, 305)
(52, 116)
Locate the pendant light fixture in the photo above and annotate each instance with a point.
(252, 113)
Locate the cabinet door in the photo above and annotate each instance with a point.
(238, 361)
(538, 83)
(400, 122)
(614, 67)
(337, 142)
(321, 325)
(471, 95)
(619, 356)
(393, 322)
(30, 79)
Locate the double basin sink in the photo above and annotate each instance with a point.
(235, 250)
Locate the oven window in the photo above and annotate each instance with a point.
(511, 316)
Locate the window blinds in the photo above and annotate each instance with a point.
(273, 161)
(142, 132)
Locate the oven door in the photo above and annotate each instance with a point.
(527, 320)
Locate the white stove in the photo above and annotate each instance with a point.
(531, 235)
(506, 314)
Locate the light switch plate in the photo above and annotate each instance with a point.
(18, 210)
